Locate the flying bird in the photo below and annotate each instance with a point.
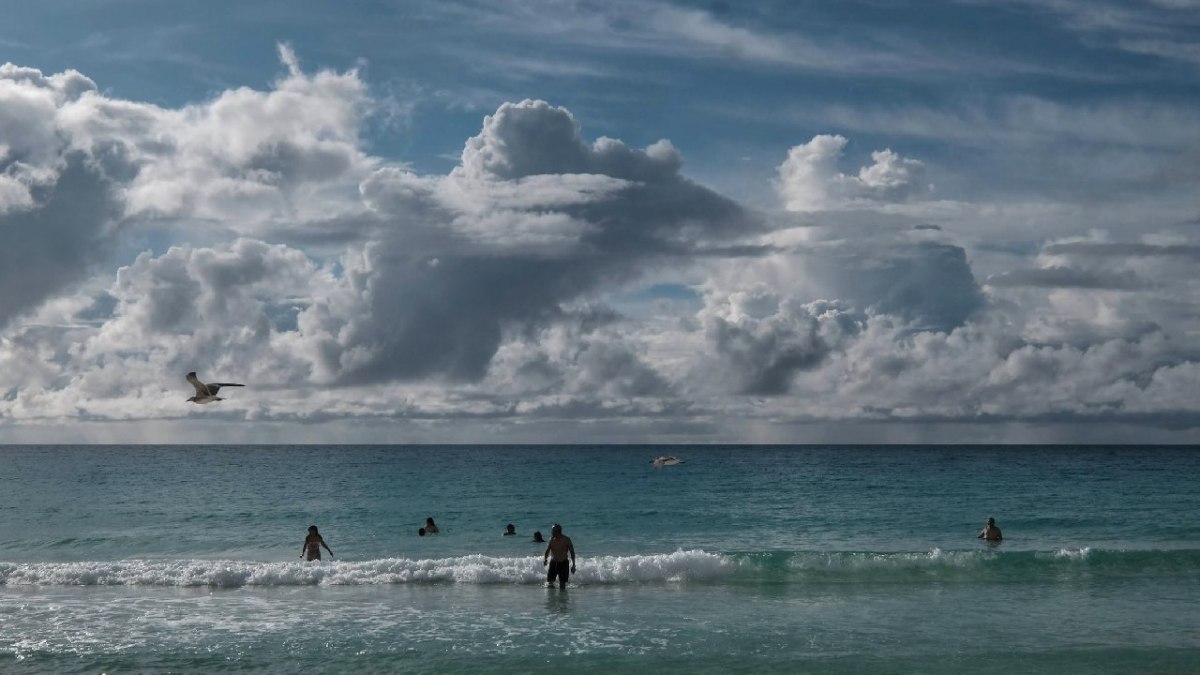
(207, 393)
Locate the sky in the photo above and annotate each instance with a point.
(869, 221)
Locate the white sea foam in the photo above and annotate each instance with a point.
(472, 569)
(680, 566)
(1073, 553)
(864, 561)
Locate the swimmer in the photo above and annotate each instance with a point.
(537, 537)
(559, 546)
(312, 545)
(421, 532)
(990, 532)
(510, 530)
(430, 526)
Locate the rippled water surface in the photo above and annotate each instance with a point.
(790, 559)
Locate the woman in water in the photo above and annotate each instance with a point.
(312, 545)
(430, 526)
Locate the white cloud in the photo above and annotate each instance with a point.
(533, 138)
(1158, 27)
(534, 217)
(445, 271)
(704, 31)
(764, 340)
(77, 165)
(243, 158)
(342, 286)
(747, 36)
(809, 179)
(55, 206)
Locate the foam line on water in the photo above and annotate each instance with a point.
(961, 566)
(472, 569)
(693, 566)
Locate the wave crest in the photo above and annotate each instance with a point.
(696, 566)
(965, 566)
(471, 569)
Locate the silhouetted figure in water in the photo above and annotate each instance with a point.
(537, 537)
(430, 526)
(557, 549)
(312, 545)
(510, 530)
(990, 532)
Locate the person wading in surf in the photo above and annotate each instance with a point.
(990, 532)
(556, 555)
(312, 545)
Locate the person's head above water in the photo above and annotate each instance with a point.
(557, 529)
(312, 528)
(537, 535)
(991, 521)
(510, 528)
(421, 532)
(429, 520)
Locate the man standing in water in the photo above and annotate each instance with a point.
(556, 555)
(991, 532)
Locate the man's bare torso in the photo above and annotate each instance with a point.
(559, 547)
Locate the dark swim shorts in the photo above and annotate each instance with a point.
(561, 569)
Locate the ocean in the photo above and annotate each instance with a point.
(799, 559)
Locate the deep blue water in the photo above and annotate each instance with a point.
(790, 559)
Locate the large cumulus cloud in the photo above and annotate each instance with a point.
(57, 206)
(229, 309)
(442, 273)
(779, 325)
(245, 157)
(532, 218)
(764, 340)
(77, 166)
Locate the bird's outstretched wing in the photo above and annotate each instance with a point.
(201, 388)
(214, 386)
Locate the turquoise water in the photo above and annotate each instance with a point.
(742, 559)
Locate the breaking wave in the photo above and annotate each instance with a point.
(471, 569)
(696, 566)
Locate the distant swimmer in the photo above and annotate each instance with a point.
(421, 532)
(207, 393)
(990, 532)
(430, 526)
(312, 545)
(537, 537)
(666, 460)
(510, 530)
(556, 555)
